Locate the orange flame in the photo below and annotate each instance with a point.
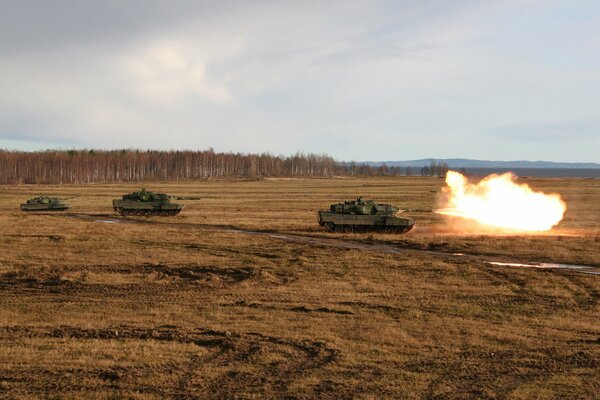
(500, 203)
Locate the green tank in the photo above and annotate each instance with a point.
(363, 216)
(146, 203)
(45, 203)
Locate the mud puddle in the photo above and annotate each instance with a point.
(102, 219)
(585, 269)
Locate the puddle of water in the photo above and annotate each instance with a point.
(565, 266)
(581, 268)
(102, 220)
(115, 221)
(279, 236)
(508, 264)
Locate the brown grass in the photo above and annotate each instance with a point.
(182, 308)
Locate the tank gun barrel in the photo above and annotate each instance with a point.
(187, 198)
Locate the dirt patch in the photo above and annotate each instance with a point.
(325, 310)
(52, 238)
(373, 307)
(298, 309)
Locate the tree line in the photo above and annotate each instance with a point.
(93, 166)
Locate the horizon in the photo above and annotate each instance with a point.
(285, 155)
(384, 81)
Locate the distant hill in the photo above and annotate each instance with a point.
(466, 163)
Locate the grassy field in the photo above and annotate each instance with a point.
(275, 308)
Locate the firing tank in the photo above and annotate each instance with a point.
(45, 203)
(146, 203)
(364, 216)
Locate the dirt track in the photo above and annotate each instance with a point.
(346, 243)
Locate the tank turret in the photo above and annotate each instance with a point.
(363, 207)
(363, 216)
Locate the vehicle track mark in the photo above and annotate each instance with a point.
(434, 250)
(220, 371)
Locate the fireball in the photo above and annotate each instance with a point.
(499, 202)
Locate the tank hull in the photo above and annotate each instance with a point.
(149, 208)
(336, 222)
(44, 207)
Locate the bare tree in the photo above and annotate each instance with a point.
(96, 166)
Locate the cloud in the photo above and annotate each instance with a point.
(571, 131)
(335, 77)
(168, 72)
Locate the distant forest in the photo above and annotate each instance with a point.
(93, 166)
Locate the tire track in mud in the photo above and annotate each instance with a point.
(464, 373)
(591, 296)
(386, 309)
(350, 244)
(131, 278)
(296, 309)
(581, 292)
(274, 362)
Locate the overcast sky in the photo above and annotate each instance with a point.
(360, 80)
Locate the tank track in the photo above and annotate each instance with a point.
(147, 213)
(331, 227)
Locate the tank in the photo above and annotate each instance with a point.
(45, 203)
(148, 203)
(364, 216)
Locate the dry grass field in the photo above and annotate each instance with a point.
(243, 296)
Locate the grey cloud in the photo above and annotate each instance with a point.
(571, 131)
(45, 25)
(279, 76)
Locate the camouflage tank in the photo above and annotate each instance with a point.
(45, 203)
(364, 216)
(146, 203)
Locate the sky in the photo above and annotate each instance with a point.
(359, 80)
